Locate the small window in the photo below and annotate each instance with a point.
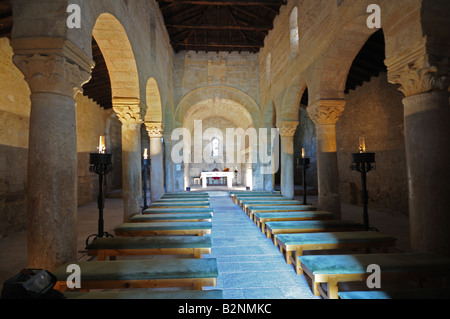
(268, 63)
(215, 147)
(293, 27)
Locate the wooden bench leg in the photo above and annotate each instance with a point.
(332, 287)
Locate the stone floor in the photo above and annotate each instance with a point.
(250, 267)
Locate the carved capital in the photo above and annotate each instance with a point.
(326, 112)
(287, 128)
(51, 74)
(419, 72)
(128, 110)
(154, 129)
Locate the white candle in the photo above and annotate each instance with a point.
(101, 145)
(145, 154)
(303, 153)
(362, 145)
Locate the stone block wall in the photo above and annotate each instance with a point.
(374, 111)
(14, 125)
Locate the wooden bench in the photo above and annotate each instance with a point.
(149, 245)
(149, 273)
(172, 217)
(334, 269)
(181, 199)
(195, 204)
(421, 293)
(147, 294)
(186, 194)
(293, 245)
(177, 210)
(238, 198)
(310, 226)
(160, 228)
(284, 208)
(233, 194)
(261, 218)
(284, 202)
(243, 203)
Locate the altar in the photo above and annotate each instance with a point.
(228, 175)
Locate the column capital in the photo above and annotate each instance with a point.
(52, 65)
(326, 112)
(52, 74)
(128, 110)
(419, 72)
(154, 129)
(287, 128)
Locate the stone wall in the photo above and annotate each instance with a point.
(14, 126)
(374, 111)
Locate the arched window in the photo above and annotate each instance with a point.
(293, 27)
(215, 147)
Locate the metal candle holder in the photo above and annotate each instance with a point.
(303, 163)
(100, 163)
(364, 163)
(145, 164)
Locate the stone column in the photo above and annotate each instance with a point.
(424, 80)
(155, 132)
(287, 130)
(325, 114)
(52, 153)
(129, 113)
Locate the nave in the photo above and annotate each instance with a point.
(249, 265)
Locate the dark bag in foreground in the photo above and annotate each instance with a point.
(31, 284)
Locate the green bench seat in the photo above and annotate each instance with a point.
(263, 203)
(422, 293)
(150, 245)
(261, 218)
(169, 217)
(181, 199)
(163, 228)
(334, 269)
(149, 273)
(310, 226)
(186, 194)
(170, 294)
(177, 210)
(238, 198)
(180, 204)
(284, 208)
(293, 245)
(280, 200)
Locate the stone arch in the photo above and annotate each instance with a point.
(153, 101)
(119, 57)
(217, 92)
(291, 100)
(335, 65)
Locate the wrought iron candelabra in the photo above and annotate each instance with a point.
(100, 164)
(364, 162)
(303, 163)
(146, 163)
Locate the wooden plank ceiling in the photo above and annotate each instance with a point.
(232, 25)
(218, 25)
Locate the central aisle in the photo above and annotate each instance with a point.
(250, 266)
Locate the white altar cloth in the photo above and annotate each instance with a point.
(228, 175)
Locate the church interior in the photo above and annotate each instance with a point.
(225, 149)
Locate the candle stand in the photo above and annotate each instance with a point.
(303, 163)
(364, 163)
(146, 163)
(100, 164)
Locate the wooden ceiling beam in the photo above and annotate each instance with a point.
(228, 2)
(221, 27)
(217, 45)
